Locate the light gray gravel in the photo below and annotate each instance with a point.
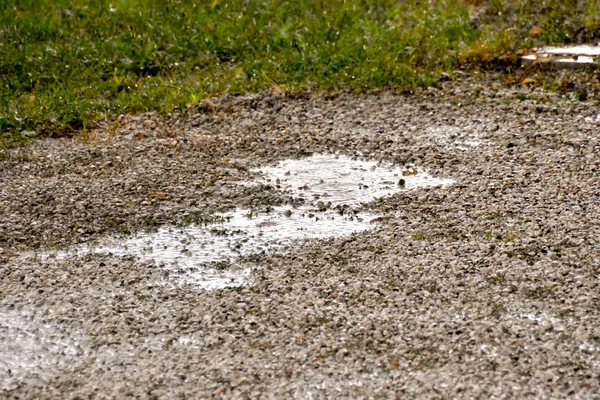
(486, 288)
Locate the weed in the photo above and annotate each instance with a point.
(522, 97)
(67, 63)
(422, 236)
(537, 293)
(497, 310)
(496, 279)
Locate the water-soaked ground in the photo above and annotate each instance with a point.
(327, 192)
(339, 180)
(31, 348)
(484, 288)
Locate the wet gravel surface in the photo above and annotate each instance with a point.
(485, 288)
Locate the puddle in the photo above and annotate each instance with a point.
(566, 56)
(211, 256)
(341, 180)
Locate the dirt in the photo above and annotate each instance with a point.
(487, 287)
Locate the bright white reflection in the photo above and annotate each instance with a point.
(342, 180)
(325, 188)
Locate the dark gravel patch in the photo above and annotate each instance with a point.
(486, 288)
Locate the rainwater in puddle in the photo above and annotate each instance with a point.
(342, 180)
(210, 254)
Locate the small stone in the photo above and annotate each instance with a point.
(29, 134)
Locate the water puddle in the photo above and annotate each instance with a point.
(341, 180)
(327, 190)
(209, 254)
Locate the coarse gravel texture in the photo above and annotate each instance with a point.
(486, 288)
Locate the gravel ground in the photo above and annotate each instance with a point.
(486, 288)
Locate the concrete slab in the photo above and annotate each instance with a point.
(579, 56)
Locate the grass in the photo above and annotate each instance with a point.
(68, 63)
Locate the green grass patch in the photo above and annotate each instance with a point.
(67, 63)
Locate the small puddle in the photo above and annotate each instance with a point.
(342, 180)
(325, 188)
(208, 254)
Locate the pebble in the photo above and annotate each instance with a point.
(485, 288)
